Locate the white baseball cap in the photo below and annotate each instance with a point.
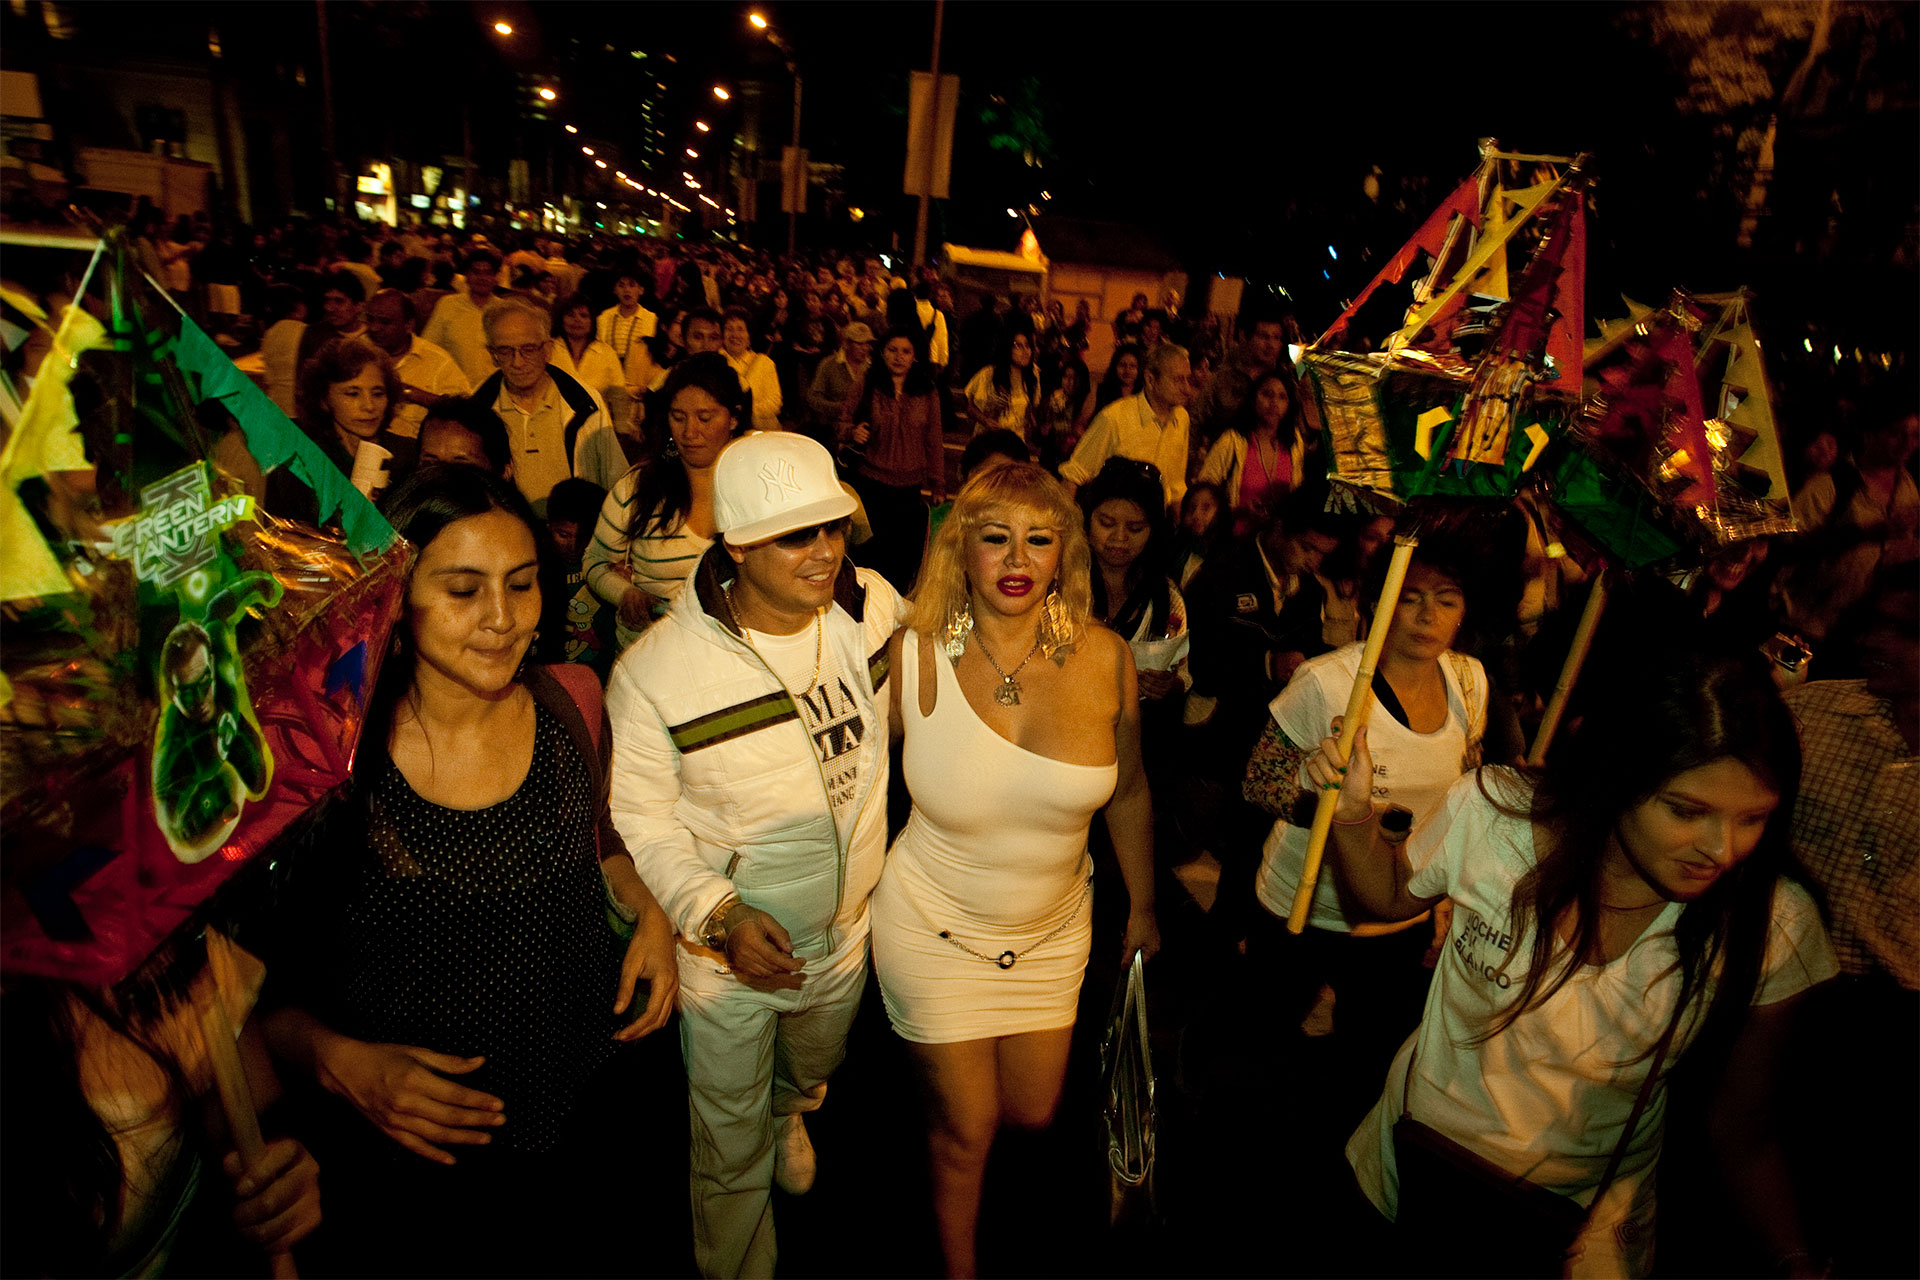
(767, 483)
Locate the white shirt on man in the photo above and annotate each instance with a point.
(929, 314)
(429, 368)
(455, 328)
(1127, 428)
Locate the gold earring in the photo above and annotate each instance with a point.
(1056, 627)
(954, 638)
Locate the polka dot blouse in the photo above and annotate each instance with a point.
(485, 932)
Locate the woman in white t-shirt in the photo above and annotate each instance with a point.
(1633, 886)
(1428, 714)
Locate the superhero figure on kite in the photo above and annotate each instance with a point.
(209, 755)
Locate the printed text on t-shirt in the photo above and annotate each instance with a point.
(1475, 942)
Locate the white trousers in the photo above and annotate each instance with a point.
(751, 1055)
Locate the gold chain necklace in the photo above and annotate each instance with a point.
(819, 631)
(1008, 694)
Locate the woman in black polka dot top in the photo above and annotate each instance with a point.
(455, 974)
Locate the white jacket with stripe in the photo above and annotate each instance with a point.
(716, 784)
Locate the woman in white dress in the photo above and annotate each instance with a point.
(1020, 720)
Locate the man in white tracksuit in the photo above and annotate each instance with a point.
(750, 783)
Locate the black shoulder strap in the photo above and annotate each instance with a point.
(578, 399)
(1388, 698)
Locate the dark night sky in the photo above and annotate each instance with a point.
(1238, 132)
(1242, 132)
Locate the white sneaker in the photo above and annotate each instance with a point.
(794, 1164)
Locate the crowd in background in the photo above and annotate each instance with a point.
(602, 379)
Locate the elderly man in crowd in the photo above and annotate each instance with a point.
(558, 428)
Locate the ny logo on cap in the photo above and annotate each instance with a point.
(778, 475)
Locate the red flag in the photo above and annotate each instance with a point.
(1465, 202)
(1566, 340)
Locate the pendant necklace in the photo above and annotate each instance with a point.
(1008, 694)
(819, 637)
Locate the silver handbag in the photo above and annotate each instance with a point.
(1126, 1078)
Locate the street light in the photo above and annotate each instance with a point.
(599, 164)
(703, 126)
(586, 151)
(692, 154)
(757, 20)
(721, 93)
(504, 28)
(548, 95)
(573, 128)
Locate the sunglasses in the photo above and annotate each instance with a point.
(800, 539)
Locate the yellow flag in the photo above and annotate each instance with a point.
(1493, 280)
(46, 440)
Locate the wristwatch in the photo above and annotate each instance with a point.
(722, 920)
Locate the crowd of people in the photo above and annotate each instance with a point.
(719, 552)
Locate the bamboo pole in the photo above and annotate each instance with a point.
(230, 1077)
(1359, 702)
(1570, 669)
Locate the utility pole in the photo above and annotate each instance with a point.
(326, 109)
(800, 179)
(933, 132)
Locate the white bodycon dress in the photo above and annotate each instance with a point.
(995, 854)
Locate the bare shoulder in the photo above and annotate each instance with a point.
(1104, 658)
(1104, 648)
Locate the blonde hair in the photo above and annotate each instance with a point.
(1018, 486)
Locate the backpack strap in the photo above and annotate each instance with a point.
(572, 693)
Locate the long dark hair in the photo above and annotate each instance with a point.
(663, 351)
(1127, 480)
(420, 509)
(1247, 419)
(1017, 327)
(1110, 384)
(880, 378)
(663, 495)
(1665, 714)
